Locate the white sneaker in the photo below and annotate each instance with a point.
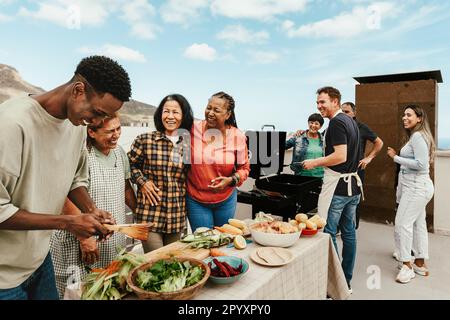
(405, 275)
(422, 271)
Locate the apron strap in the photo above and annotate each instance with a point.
(348, 179)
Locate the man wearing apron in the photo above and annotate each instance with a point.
(341, 189)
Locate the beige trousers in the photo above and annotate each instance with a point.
(157, 240)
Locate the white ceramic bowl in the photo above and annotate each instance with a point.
(275, 239)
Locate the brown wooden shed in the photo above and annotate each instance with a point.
(380, 102)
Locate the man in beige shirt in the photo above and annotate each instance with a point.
(43, 161)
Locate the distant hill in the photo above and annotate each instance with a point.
(12, 84)
(137, 112)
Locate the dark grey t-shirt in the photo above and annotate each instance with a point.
(344, 130)
(365, 133)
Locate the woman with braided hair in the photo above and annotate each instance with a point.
(219, 163)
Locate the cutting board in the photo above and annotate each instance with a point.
(177, 249)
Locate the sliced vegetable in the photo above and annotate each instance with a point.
(110, 283)
(216, 253)
(223, 269)
(208, 239)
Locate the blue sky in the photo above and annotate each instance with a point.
(271, 55)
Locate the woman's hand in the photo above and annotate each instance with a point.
(89, 250)
(309, 164)
(150, 192)
(391, 152)
(220, 183)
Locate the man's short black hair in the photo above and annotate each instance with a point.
(352, 105)
(188, 116)
(105, 76)
(316, 117)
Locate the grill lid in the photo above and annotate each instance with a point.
(266, 152)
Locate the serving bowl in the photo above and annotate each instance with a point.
(232, 261)
(183, 294)
(275, 239)
(309, 232)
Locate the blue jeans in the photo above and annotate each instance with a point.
(210, 215)
(41, 285)
(342, 214)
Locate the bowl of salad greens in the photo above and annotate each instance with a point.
(169, 279)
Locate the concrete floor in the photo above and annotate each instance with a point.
(375, 269)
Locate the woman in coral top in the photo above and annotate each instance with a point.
(219, 163)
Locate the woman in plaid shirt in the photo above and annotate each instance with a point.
(157, 167)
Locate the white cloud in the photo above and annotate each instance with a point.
(264, 57)
(67, 13)
(138, 14)
(237, 33)
(256, 9)
(4, 18)
(346, 24)
(201, 52)
(116, 52)
(182, 11)
(74, 14)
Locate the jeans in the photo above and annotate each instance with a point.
(41, 285)
(210, 215)
(341, 214)
(414, 191)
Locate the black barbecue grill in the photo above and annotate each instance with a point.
(275, 192)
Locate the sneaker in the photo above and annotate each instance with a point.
(422, 271)
(405, 275)
(350, 290)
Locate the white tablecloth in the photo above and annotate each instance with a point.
(314, 273)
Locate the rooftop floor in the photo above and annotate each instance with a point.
(375, 247)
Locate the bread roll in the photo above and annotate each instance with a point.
(237, 223)
(301, 226)
(321, 223)
(311, 225)
(231, 230)
(317, 219)
(301, 217)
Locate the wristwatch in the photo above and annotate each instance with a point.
(234, 180)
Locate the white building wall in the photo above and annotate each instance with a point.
(441, 194)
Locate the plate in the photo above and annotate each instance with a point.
(272, 256)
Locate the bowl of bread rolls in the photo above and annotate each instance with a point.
(308, 226)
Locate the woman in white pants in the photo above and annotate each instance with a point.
(415, 189)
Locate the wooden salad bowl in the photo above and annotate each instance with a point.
(183, 294)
